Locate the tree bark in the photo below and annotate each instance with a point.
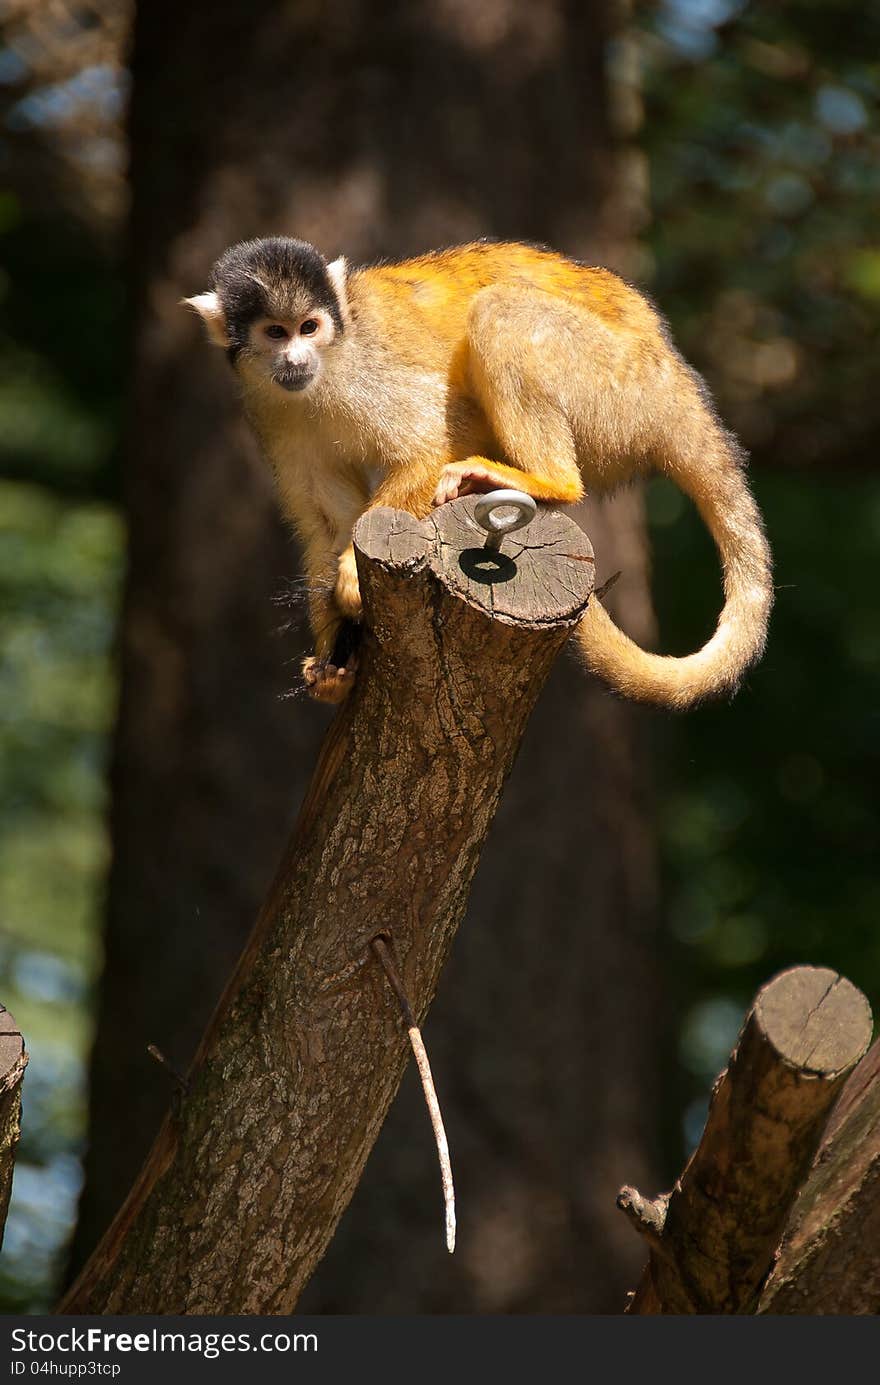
(829, 1261)
(13, 1061)
(375, 131)
(246, 1184)
(713, 1238)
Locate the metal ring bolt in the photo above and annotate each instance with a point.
(497, 525)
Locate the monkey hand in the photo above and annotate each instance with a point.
(469, 478)
(325, 681)
(347, 594)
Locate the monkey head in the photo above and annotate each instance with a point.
(276, 306)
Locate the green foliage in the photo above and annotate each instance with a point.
(60, 563)
(768, 814)
(61, 555)
(60, 369)
(765, 166)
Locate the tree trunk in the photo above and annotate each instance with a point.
(540, 1038)
(245, 1185)
(829, 1261)
(373, 130)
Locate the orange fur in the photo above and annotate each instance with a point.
(503, 364)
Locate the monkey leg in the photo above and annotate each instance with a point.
(521, 360)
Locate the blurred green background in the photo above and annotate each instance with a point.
(763, 155)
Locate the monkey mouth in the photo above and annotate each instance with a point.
(293, 380)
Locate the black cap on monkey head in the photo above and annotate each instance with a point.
(275, 277)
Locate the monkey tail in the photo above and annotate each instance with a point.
(711, 473)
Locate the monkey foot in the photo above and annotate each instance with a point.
(326, 682)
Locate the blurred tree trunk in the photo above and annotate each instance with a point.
(373, 130)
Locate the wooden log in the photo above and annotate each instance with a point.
(712, 1239)
(13, 1061)
(246, 1183)
(829, 1261)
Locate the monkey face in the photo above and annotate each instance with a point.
(289, 351)
(275, 306)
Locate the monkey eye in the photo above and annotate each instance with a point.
(277, 332)
(309, 327)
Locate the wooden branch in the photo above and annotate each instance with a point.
(712, 1249)
(829, 1261)
(243, 1189)
(13, 1061)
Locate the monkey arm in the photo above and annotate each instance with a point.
(514, 382)
(479, 474)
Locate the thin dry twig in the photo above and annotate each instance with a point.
(383, 951)
(607, 585)
(156, 1052)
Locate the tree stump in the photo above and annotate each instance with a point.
(251, 1173)
(712, 1239)
(13, 1061)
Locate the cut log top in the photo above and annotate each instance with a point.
(542, 574)
(12, 1054)
(815, 1020)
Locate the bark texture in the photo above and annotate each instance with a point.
(829, 1261)
(13, 1061)
(714, 1237)
(247, 1182)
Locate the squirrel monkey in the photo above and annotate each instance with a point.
(487, 365)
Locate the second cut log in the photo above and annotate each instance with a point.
(713, 1238)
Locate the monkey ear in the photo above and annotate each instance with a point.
(209, 309)
(337, 272)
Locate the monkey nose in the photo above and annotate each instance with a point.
(293, 378)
